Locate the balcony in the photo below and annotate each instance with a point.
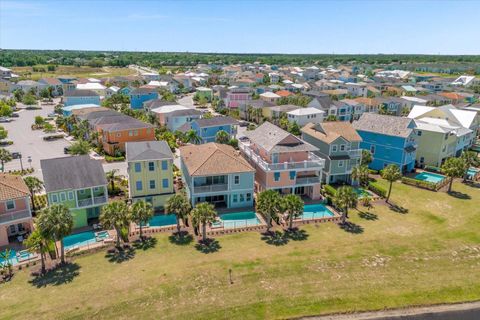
(355, 153)
(100, 199)
(313, 163)
(210, 188)
(308, 180)
(85, 202)
(13, 216)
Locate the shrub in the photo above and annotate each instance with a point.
(378, 189)
(371, 171)
(421, 184)
(329, 190)
(40, 201)
(114, 159)
(432, 169)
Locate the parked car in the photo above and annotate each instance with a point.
(15, 115)
(16, 155)
(52, 115)
(66, 150)
(5, 119)
(243, 123)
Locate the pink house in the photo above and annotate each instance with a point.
(283, 162)
(15, 214)
(238, 97)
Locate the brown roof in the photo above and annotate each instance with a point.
(12, 187)
(330, 131)
(213, 158)
(367, 101)
(84, 111)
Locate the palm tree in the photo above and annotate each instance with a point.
(345, 198)
(366, 157)
(192, 137)
(179, 205)
(36, 242)
(80, 147)
(293, 206)
(111, 177)
(453, 168)
(34, 185)
(115, 215)
(249, 113)
(470, 159)
(5, 156)
(204, 213)
(360, 174)
(222, 137)
(269, 204)
(56, 222)
(391, 173)
(141, 212)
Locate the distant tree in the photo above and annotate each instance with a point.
(115, 215)
(29, 99)
(3, 133)
(269, 204)
(111, 178)
(294, 129)
(453, 168)
(360, 174)
(39, 121)
(470, 159)
(366, 158)
(5, 109)
(345, 198)
(222, 137)
(5, 156)
(391, 173)
(34, 185)
(179, 205)
(204, 213)
(37, 243)
(141, 212)
(193, 137)
(293, 206)
(80, 147)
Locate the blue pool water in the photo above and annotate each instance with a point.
(83, 239)
(163, 220)
(14, 259)
(361, 192)
(237, 220)
(314, 211)
(472, 171)
(430, 177)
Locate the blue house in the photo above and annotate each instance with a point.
(125, 90)
(139, 95)
(207, 129)
(74, 97)
(390, 140)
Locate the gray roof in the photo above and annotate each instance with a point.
(269, 137)
(389, 125)
(81, 93)
(186, 112)
(77, 172)
(148, 150)
(216, 121)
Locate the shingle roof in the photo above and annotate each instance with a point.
(148, 150)
(213, 158)
(216, 121)
(143, 91)
(389, 125)
(72, 173)
(12, 187)
(330, 131)
(51, 81)
(80, 93)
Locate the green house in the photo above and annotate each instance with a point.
(77, 182)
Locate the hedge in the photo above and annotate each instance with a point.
(376, 188)
(432, 169)
(114, 159)
(421, 184)
(371, 171)
(329, 190)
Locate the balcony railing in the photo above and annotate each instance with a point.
(85, 202)
(17, 215)
(313, 163)
(210, 188)
(307, 180)
(355, 153)
(100, 199)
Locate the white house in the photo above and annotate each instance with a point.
(356, 89)
(93, 86)
(269, 96)
(465, 81)
(302, 116)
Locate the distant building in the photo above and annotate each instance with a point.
(74, 97)
(140, 95)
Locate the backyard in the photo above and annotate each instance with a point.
(426, 252)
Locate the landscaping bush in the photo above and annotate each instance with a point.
(20, 172)
(6, 143)
(421, 184)
(53, 137)
(378, 189)
(329, 190)
(432, 169)
(371, 171)
(40, 201)
(114, 159)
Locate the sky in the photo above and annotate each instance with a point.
(234, 26)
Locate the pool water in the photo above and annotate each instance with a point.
(237, 220)
(361, 192)
(14, 259)
(430, 177)
(314, 211)
(472, 172)
(162, 220)
(84, 239)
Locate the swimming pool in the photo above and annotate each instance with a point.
(471, 172)
(16, 257)
(237, 220)
(361, 192)
(315, 211)
(84, 239)
(430, 177)
(162, 220)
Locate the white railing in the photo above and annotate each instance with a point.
(100, 199)
(355, 153)
(308, 180)
(85, 202)
(210, 188)
(314, 162)
(17, 215)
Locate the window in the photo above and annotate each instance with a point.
(422, 159)
(292, 175)
(164, 164)
(235, 198)
(96, 189)
(334, 148)
(10, 205)
(340, 163)
(236, 179)
(152, 184)
(419, 133)
(70, 195)
(342, 147)
(165, 183)
(151, 166)
(242, 197)
(54, 198)
(249, 197)
(130, 133)
(276, 176)
(138, 167)
(139, 185)
(372, 149)
(63, 196)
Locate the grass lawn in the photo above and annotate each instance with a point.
(80, 72)
(389, 259)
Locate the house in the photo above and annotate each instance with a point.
(30, 86)
(173, 116)
(217, 174)
(149, 76)
(68, 111)
(442, 132)
(269, 97)
(302, 116)
(368, 104)
(391, 105)
(276, 112)
(284, 93)
(140, 95)
(15, 214)
(150, 172)
(339, 144)
(74, 97)
(77, 182)
(390, 140)
(207, 129)
(238, 97)
(93, 86)
(465, 81)
(283, 162)
(54, 83)
(6, 73)
(356, 89)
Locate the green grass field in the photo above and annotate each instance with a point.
(389, 259)
(80, 72)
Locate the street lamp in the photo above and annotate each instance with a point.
(29, 159)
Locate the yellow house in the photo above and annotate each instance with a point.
(150, 172)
